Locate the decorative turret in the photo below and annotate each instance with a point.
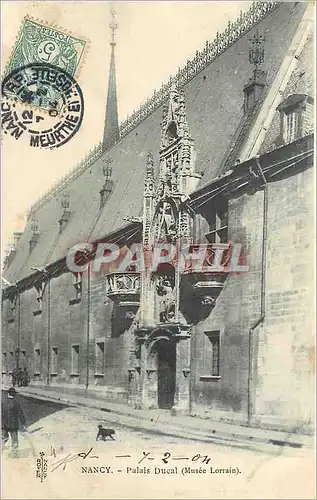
(177, 176)
(65, 212)
(111, 129)
(148, 199)
(108, 182)
(253, 90)
(35, 234)
(166, 217)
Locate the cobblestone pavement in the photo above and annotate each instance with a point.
(141, 464)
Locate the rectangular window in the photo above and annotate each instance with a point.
(54, 361)
(219, 223)
(212, 352)
(37, 361)
(75, 359)
(100, 358)
(77, 284)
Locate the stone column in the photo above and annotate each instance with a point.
(182, 385)
(142, 375)
(149, 378)
(135, 394)
(152, 375)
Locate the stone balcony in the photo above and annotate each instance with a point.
(123, 288)
(204, 286)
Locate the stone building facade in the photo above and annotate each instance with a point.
(222, 155)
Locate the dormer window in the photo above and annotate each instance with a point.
(291, 127)
(253, 90)
(296, 117)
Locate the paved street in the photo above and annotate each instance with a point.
(140, 463)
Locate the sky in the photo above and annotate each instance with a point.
(153, 40)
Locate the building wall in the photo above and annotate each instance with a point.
(285, 371)
(283, 346)
(68, 327)
(8, 340)
(237, 307)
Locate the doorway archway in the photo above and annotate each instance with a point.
(166, 373)
(161, 369)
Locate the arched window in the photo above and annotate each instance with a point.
(172, 131)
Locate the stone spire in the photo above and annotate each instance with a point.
(111, 130)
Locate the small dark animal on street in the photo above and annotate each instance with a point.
(103, 433)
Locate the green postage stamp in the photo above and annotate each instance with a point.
(41, 43)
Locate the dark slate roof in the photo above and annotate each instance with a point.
(214, 101)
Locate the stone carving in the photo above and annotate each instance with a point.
(165, 224)
(165, 217)
(130, 315)
(40, 288)
(122, 283)
(165, 290)
(13, 303)
(207, 300)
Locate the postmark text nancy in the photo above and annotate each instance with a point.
(169, 471)
(45, 86)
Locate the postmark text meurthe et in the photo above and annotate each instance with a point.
(42, 86)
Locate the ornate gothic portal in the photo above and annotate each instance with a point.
(162, 353)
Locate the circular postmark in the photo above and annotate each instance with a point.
(42, 102)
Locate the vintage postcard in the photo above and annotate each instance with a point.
(158, 255)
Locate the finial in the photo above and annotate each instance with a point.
(65, 200)
(256, 50)
(34, 225)
(150, 159)
(173, 88)
(113, 25)
(107, 169)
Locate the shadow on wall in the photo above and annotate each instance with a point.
(35, 409)
(121, 320)
(193, 310)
